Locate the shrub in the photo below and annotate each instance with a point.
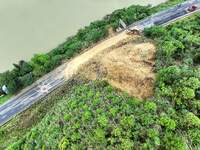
(155, 32)
(191, 120)
(167, 122)
(173, 142)
(63, 144)
(150, 106)
(194, 135)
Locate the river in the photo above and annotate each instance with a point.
(28, 27)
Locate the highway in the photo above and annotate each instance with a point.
(167, 16)
(56, 78)
(32, 94)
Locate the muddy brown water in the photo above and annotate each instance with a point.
(36, 26)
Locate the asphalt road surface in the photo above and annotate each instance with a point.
(167, 16)
(53, 80)
(32, 94)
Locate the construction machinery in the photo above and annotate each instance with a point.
(133, 31)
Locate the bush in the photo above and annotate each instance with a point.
(173, 142)
(179, 83)
(26, 80)
(167, 122)
(63, 144)
(155, 32)
(94, 116)
(150, 106)
(191, 120)
(195, 136)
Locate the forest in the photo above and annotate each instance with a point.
(94, 115)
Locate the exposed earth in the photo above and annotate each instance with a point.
(128, 66)
(126, 62)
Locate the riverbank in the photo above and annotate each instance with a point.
(25, 73)
(38, 26)
(95, 115)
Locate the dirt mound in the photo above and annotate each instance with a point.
(75, 64)
(128, 66)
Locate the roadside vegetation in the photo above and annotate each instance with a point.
(178, 60)
(178, 72)
(4, 98)
(94, 115)
(22, 123)
(25, 73)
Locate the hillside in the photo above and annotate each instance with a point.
(94, 115)
(130, 92)
(128, 66)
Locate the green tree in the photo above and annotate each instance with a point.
(41, 64)
(155, 32)
(23, 67)
(11, 80)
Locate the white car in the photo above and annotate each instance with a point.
(5, 89)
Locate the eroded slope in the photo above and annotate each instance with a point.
(128, 66)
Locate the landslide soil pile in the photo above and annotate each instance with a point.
(75, 64)
(125, 61)
(128, 66)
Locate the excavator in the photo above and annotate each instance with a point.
(134, 31)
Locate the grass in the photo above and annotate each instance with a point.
(3, 99)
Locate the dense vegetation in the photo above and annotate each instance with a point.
(25, 73)
(95, 116)
(22, 123)
(178, 60)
